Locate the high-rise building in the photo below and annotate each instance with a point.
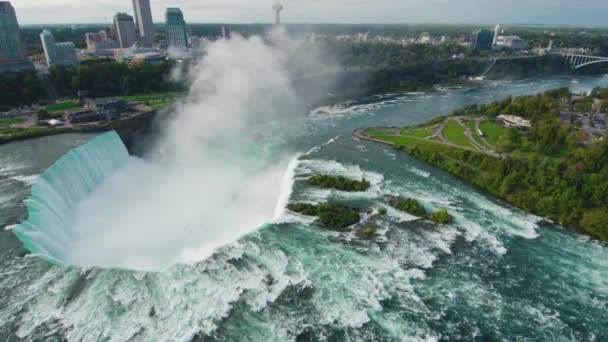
(12, 54)
(58, 53)
(482, 40)
(98, 42)
(496, 34)
(124, 29)
(177, 36)
(145, 26)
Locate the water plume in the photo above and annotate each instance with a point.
(206, 181)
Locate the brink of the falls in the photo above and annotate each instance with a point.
(61, 188)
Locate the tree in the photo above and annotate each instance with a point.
(43, 114)
(442, 216)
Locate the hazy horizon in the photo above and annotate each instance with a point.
(584, 13)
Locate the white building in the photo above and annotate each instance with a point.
(514, 121)
(511, 42)
(425, 38)
(58, 53)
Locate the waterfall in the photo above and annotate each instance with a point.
(60, 189)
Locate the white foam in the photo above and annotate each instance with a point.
(419, 172)
(10, 166)
(291, 217)
(399, 215)
(318, 148)
(286, 188)
(514, 221)
(27, 180)
(334, 168)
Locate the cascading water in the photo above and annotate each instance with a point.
(496, 274)
(61, 188)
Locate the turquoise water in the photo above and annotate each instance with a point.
(497, 273)
(58, 191)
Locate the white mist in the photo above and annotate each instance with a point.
(206, 184)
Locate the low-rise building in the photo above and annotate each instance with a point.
(111, 108)
(99, 42)
(85, 115)
(149, 57)
(511, 42)
(99, 110)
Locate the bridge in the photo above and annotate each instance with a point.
(580, 61)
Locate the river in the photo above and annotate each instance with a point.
(496, 273)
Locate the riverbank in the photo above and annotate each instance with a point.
(128, 127)
(391, 285)
(551, 169)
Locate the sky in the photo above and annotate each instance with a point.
(554, 12)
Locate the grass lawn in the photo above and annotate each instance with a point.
(411, 141)
(381, 132)
(493, 131)
(168, 96)
(454, 132)
(478, 139)
(62, 106)
(417, 132)
(11, 121)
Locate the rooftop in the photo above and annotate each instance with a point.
(515, 120)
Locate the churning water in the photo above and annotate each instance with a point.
(496, 273)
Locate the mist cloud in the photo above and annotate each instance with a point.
(206, 183)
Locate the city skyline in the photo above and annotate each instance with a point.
(558, 12)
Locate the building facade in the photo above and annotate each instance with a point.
(177, 36)
(482, 40)
(99, 42)
(496, 34)
(145, 25)
(58, 53)
(124, 29)
(511, 42)
(12, 54)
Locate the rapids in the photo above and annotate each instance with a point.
(495, 273)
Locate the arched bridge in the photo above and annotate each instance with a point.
(580, 61)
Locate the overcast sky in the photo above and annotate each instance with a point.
(570, 12)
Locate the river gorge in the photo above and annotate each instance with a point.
(495, 273)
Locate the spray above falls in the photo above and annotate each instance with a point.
(205, 183)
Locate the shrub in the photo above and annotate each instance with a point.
(441, 216)
(333, 216)
(339, 183)
(408, 205)
(368, 230)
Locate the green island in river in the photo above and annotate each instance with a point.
(545, 153)
(339, 183)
